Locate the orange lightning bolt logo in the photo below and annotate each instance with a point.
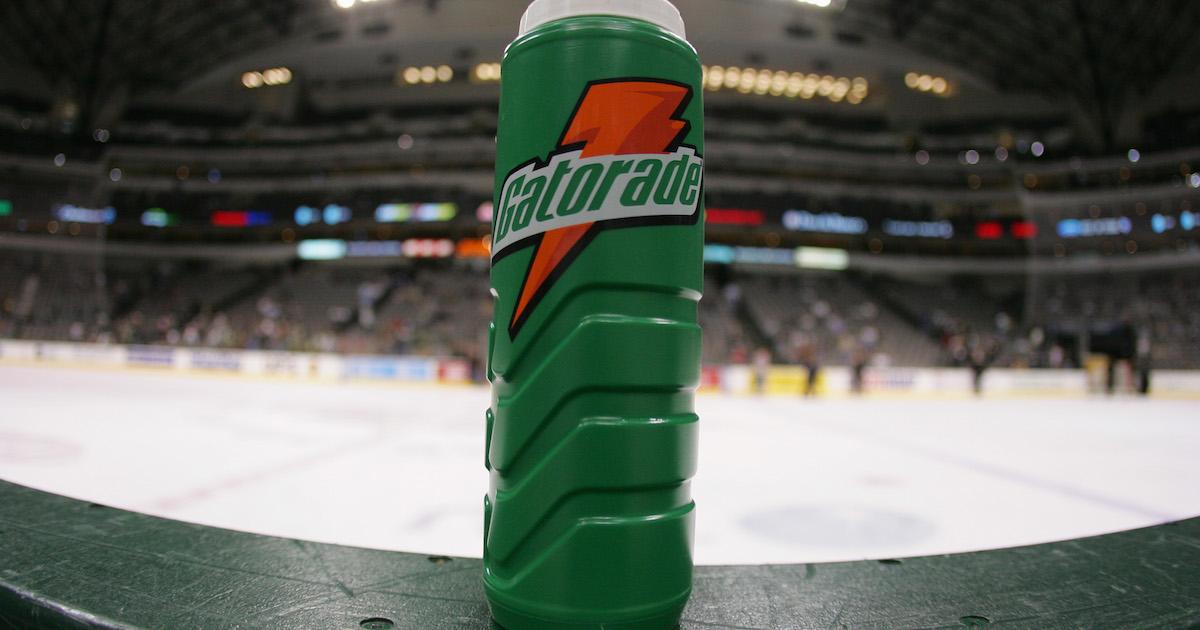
(619, 163)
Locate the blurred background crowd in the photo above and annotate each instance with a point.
(317, 176)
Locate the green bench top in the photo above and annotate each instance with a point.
(72, 564)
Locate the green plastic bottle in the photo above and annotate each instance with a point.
(597, 271)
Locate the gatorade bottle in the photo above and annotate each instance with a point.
(597, 270)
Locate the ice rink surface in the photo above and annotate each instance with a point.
(781, 480)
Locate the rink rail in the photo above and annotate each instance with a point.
(73, 564)
(253, 363)
(730, 379)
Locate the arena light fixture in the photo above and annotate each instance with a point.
(486, 73)
(321, 249)
(781, 83)
(718, 254)
(1082, 228)
(346, 5)
(734, 216)
(1023, 230)
(824, 222)
(270, 77)
(765, 256)
(306, 215)
(159, 218)
(420, 212)
(335, 214)
(473, 248)
(393, 212)
(927, 83)
(822, 258)
(989, 230)
(1161, 223)
(239, 218)
(918, 229)
(375, 249)
(76, 214)
(277, 76)
(428, 248)
(429, 212)
(425, 75)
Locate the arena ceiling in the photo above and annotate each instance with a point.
(85, 50)
(1099, 53)
(147, 41)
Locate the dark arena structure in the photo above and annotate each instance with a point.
(950, 368)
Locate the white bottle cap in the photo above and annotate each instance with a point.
(660, 12)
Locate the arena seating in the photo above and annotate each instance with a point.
(829, 312)
(1163, 309)
(442, 309)
(725, 336)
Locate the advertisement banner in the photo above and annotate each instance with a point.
(393, 368)
(24, 350)
(787, 380)
(729, 379)
(1036, 382)
(454, 371)
(287, 364)
(97, 354)
(710, 378)
(737, 379)
(889, 380)
(220, 360)
(151, 356)
(1175, 382)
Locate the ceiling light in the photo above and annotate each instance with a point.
(269, 77)
(927, 83)
(779, 83)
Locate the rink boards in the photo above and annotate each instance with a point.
(779, 380)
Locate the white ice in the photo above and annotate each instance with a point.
(781, 480)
